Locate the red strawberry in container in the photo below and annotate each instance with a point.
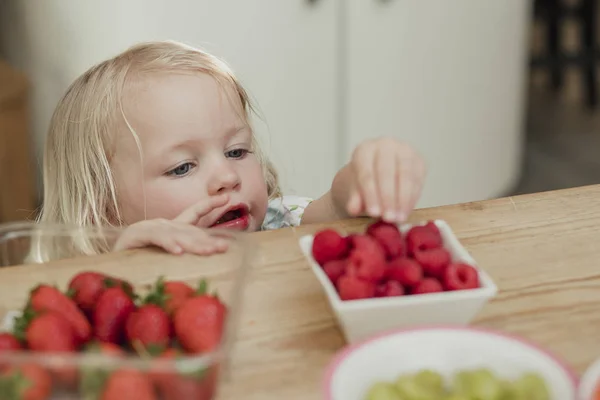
(335, 269)
(329, 245)
(148, 328)
(199, 322)
(128, 384)
(389, 237)
(169, 294)
(86, 287)
(49, 332)
(25, 382)
(196, 384)
(110, 316)
(48, 298)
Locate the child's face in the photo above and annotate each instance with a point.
(195, 143)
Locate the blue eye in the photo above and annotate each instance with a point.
(181, 170)
(237, 153)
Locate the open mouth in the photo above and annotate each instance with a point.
(233, 215)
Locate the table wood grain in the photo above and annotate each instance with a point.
(542, 250)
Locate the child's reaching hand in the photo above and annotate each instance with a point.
(177, 236)
(383, 179)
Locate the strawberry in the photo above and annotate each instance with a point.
(389, 237)
(404, 270)
(25, 382)
(389, 289)
(174, 385)
(111, 313)
(328, 245)
(148, 326)
(128, 384)
(199, 322)
(334, 269)
(48, 332)
(433, 261)
(94, 378)
(460, 276)
(8, 342)
(48, 298)
(368, 258)
(421, 238)
(169, 295)
(428, 285)
(351, 287)
(86, 287)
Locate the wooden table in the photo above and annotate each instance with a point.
(542, 250)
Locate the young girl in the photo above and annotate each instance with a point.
(157, 140)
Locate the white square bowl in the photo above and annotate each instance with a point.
(447, 351)
(362, 318)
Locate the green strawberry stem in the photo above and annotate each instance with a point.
(157, 295)
(202, 287)
(22, 322)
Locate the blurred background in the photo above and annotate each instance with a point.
(499, 96)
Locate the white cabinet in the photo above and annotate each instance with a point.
(447, 76)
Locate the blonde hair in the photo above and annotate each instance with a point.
(79, 187)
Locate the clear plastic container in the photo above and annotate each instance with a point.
(33, 254)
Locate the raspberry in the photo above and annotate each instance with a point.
(434, 229)
(433, 261)
(404, 270)
(389, 237)
(460, 276)
(328, 245)
(334, 269)
(421, 238)
(350, 287)
(368, 258)
(389, 289)
(428, 285)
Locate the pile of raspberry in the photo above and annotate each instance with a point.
(382, 262)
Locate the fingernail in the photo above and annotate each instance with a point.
(389, 216)
(401, 216)
(374, 211)
(177, 250)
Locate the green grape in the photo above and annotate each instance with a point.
(410, 389)
(478, 384)
(383, 391)
(530, 386)
(431, 380)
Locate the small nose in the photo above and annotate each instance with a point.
(223, 179)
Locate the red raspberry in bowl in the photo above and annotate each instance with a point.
(368, 258)
(421, 238)
(389, 289)
(351, 287)
(389, 237)
(460, 276)
(334, 269)
(404, 270)
(428, 285)
(433, 261)
(329, 245)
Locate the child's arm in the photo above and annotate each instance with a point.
(384, 179)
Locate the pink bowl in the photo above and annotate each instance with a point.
(445, 349)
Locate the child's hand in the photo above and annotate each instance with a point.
(177, 236)
(387, 179)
